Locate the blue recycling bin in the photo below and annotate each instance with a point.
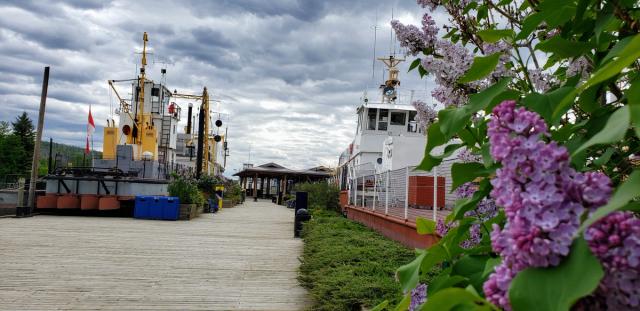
(155, 208)
(141, 209)
(170, 208)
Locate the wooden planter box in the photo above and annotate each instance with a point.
(190, 211)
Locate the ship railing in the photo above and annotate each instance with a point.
(406, 193)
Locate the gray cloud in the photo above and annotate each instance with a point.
(289, 73)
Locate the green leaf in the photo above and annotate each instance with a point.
(604, 158)
(472, 267)
(481, 67)
(453, 120)
(445, 281)
(487, 159)
(464, 205)
(465, 172)
(557, 288)
(381, 306)
(404, 303)
(633, 101)
(613, 131)
(617, 49)
(409, 274)
(425, 226)
(434, 138)
(454, 297)
(490, 266)
(529, 25)
(494, 35)
(484, 99)
(563, 47)
(414, 64)
(422, 71)
(601, 23)
(434, 255)
(627, 56)
(627, 191)
(543, 103)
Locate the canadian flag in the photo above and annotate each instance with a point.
(91, 127)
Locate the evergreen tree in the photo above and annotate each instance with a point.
(24, 130)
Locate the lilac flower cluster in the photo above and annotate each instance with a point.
(418, 296)
(542, 196)
(541, 80)
(466, 156)
(615, 240)
(453, 61)
(504, 48)
(409, 36)
(415, 39)
(579, 66)
(425, 114)
(430, 4)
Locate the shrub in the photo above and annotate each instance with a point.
(186, 190)
(346, 266)
(321, 195)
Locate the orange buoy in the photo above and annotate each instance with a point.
(108, 202)
(89, 202)
(68, 201)
(49, 200)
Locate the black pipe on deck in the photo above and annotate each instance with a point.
(201, 135)
(189, 113)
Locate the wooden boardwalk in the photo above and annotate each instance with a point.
(243, 258)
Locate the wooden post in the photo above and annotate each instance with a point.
(255, 188)
(268, 186)
(36, 148)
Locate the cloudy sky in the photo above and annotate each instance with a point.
(289, 74)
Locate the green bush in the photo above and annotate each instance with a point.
(186, 190)
(321, 195)
(346, 266)
(208, 183)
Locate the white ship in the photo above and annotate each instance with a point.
(388, 140)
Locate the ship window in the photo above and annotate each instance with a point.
(155, 91)
(372, 119)
(383, 119)
(398, 118)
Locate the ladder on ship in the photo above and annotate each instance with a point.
(163, 146)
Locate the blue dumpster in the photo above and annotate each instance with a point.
(170, 208)
(141, 209)
(155, 208)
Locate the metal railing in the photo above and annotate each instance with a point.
(404, 193)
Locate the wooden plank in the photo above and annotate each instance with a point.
(243, 258)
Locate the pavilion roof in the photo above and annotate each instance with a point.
(273, 170)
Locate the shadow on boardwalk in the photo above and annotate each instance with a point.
(243, 258)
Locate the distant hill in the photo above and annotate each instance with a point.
(67, 150)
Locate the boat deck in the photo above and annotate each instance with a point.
(243, 258)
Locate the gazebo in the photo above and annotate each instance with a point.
(257, 180)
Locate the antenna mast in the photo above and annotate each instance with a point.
(140, 113)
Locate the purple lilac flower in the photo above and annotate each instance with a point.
(541, 81)
(409, 36)
(430, 4)
(418, 296)
(579, 66)
(497, 285)
(429, 30)
(504, 48)
(443, 228)
(425, 114)
(415, 39)
(615, 240)
(542, 196)
(466, 156)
